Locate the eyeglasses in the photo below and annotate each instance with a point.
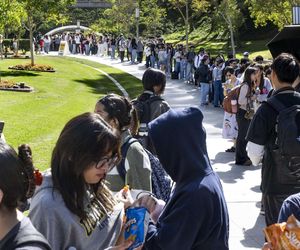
(110, 162)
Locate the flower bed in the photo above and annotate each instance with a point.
(9, 85)
(36, 67)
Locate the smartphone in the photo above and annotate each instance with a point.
(1, 126)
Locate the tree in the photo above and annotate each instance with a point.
(278, 12)
(151, 16)
(38, 11)
(230, 13)
(185, 7)
(10, 18)
(119, 18)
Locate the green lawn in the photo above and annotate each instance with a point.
(216, 46)
(37, 118)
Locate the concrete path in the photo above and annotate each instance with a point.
(241, 184)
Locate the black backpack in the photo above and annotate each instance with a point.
(161, 182)
(286, 153)
(143, 108)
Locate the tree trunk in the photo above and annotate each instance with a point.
(187, 25)
(231, 37)
(31, 42)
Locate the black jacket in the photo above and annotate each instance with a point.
(203, 73)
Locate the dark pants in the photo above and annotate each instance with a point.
(122, 55)
(147, 61)
(140, 56)
(272, 204)
(241, 143)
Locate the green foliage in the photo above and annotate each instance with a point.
(121, 18)
(23, 44)
(229, 11)
(151, 17)
(11, 15)
(275, 11)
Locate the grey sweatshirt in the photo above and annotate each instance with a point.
(63, 229)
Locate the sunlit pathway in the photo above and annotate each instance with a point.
(241, 184)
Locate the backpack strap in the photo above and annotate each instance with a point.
(121, 166)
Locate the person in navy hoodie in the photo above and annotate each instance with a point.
(196, 215)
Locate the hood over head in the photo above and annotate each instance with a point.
(179, 139)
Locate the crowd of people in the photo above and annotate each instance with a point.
(74, 206)
(81, 201)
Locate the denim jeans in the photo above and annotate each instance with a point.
(189, 72)
(177, 67)
(113, 51)
(204, 92)
(182, 69)
(152, 61)
(133, 56)
(218, 93)
(87, 49)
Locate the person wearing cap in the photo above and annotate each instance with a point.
(246, 55)
(217, 81)
(122, 47)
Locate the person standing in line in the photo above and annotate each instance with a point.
(183, 154)
(279, 162)
(244, 115)
(217, 82)
(140, 50)
(73, 208)
(122, 47)
(204, 80)
(133, 46)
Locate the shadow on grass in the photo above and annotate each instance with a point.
(103, 85)
(17, 73)
(98, 86)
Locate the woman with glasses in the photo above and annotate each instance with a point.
(119, 113)
(73, 208)
(230, 127)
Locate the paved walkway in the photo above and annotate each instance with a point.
(241, 184)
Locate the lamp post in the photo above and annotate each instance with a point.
(137, 16)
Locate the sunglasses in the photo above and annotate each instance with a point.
(110, 162)
(228, 75)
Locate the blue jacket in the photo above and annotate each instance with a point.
(196, 216)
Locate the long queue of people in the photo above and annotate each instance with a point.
(81, 211)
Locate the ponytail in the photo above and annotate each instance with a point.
(25, 155)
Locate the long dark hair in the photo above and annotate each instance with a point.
(247, 78)
(120, 108)
(84, 140)
(262, 77)
(16, 176)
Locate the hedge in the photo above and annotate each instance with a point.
(23, 44)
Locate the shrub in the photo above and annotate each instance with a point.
(24, 44)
